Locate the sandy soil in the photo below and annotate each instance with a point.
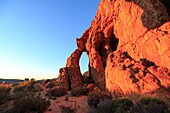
(78, 103)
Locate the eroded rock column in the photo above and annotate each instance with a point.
(70, 76)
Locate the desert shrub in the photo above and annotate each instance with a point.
(145, 105)
(27, 86)
(29, 104)
(92, 110)
(121, 105)
(26, 79)
(150, 105)
(31, 88)
(50, 85)
(57, 91)
(32, 79)
(4, 97)
(15, 84)
(82, 90)
(67, 110)
(95, 97)
(104, 106)
(154, 105)
(4, 92)
(38, 88)
(17, 95)
(5, 88)
(19, 89)
(47, 81)
(91, 87)
(138, 108)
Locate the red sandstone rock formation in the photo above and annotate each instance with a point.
(130, 76)
(70, 76)
(128, 45)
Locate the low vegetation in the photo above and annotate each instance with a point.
(154, 105)
(67, 110)
(121, 105)
(30, 104)
(47, 81)
(124, 105)
(15, 95)
(26, 100)
(95, 97)
(50, 84)
(27, 86)
(82, 90)
(4, 92)
(56, 92)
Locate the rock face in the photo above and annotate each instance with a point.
(128, 45)
(70, 76)
(127, 76)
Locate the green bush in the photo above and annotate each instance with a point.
(154, 105)
(145, 105)
(82, 90)
(138, 108)
(104, 106)
(29, 104)
(121, 105)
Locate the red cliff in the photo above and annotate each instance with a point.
(128, 46)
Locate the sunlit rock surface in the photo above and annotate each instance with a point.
(128, 46)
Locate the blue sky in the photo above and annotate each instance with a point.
(37, 36)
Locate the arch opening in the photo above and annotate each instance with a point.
(84, 62)
(85, 69)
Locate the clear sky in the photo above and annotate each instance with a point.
(37, 36)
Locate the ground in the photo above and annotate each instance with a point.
(78, 104)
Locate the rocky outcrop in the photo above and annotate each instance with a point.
(128, 46)
(130, 76)
(70, 76)
(142, 28)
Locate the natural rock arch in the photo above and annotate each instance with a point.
(128, 48)
(70, 76)
(97, 47)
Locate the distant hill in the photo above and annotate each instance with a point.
(10, 80)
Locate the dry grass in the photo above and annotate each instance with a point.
(4, 92)
(5, 87)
